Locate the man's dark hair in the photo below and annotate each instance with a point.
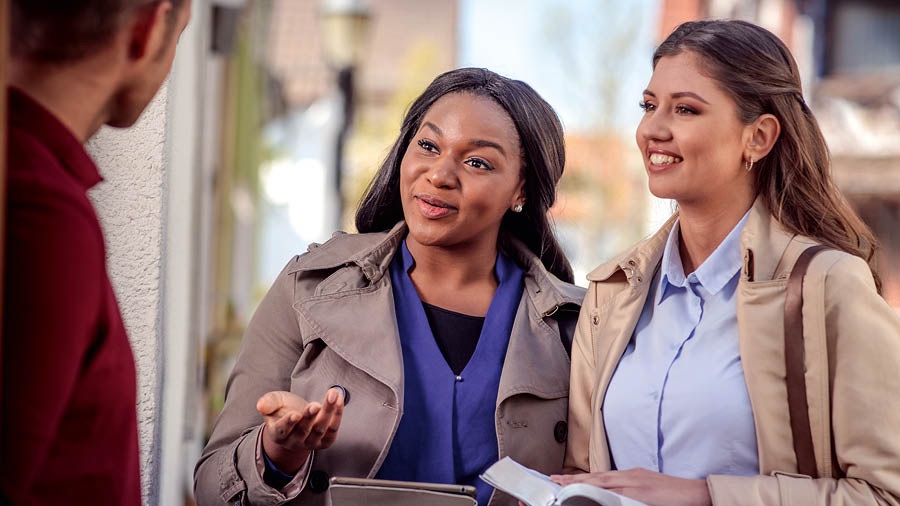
(58, 31)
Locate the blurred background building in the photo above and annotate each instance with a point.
(278, 113)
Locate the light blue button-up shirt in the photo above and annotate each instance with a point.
(677, 402)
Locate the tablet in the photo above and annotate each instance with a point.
(346, 491)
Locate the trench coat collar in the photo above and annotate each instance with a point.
(373, 325)
(548, 293)
(640, 262)
(371, 252)
(764, 244)
(767, 246)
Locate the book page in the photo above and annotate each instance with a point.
(536, 489)
(526, 485)
(583, 494)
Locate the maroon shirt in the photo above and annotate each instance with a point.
(69, 389)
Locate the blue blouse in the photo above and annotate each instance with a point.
(447, 430)
(677, 402)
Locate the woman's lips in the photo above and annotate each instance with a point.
(433, 208)
(659, 161)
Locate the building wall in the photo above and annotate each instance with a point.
(148, 206)
(130, 203)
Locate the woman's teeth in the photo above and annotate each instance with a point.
(661, 159)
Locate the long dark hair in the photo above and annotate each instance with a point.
(758, 71)
(543, 153)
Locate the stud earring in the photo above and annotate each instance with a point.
(749, 165)
(517, 208)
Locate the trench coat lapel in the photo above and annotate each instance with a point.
(353, 310)
(366, 337)
(535, 353)
(617, 317)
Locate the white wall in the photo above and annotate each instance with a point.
(147, 206)
(130, 204)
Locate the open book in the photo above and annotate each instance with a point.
(536, 489)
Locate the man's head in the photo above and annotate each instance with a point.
(60, 31)
(133, 39)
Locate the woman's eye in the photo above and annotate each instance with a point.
(683, 109)
(427, 145)
(478, 163)
(646, 106)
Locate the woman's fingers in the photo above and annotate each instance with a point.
(323, 431)
(646, 486)
(278, 403)
(295, 424)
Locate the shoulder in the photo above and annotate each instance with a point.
(343, 249)
(38, 182)
(46, 208)
(844, 275)
(639, 261)
(538, 277)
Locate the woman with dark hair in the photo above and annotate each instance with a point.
(436, 338)
(681, 372)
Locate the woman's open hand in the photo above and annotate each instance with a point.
(294, 427)
(653, 488)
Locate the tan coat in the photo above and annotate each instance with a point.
(329, 320)
(852, 357)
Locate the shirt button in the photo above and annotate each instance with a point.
(459, 378)
(655, 396)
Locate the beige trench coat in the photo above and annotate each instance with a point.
(329, 320)
(852, 347)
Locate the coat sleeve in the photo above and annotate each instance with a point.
(582, 379)
(230, 469)
(864, 354)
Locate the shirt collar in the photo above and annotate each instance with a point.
(713, 274)
(29, 115)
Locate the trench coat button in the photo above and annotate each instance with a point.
(595, 320)
(561, 431)
(344, 391)
(318, 481)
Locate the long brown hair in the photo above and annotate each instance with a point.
(758, 71)
(543, 160)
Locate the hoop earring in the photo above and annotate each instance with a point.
(749, 165)
(517, 208)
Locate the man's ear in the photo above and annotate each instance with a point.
(761, 136)
(148, 28)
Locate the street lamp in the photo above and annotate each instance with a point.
(344, 32)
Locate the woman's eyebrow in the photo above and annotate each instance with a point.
(679, 94)
(434, 127)
(481, 143)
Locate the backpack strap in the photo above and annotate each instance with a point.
(795, 366)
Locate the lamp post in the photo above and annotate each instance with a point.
(344, 32)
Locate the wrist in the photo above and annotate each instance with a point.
(703, 497)
(286, 460)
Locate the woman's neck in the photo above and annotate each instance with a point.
(460, 280)
(703, 228)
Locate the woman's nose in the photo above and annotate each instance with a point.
(655, 127)
(442, 173)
